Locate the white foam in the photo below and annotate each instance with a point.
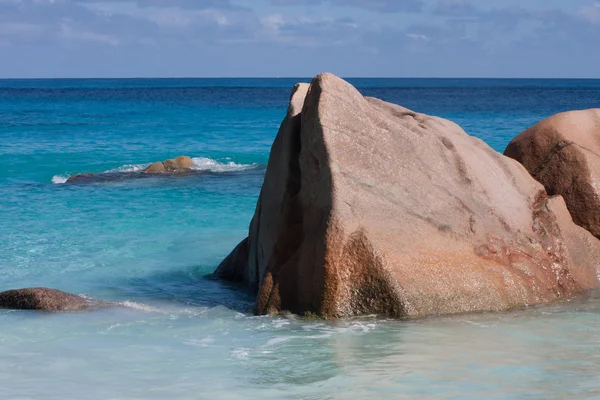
(139, 307)
(208, 164)
(206, 342)
(280, 323)
(59, 179)
(279, 339)
(240, 353)
(200, 164)
(128, 168)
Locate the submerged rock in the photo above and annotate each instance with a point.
(82, 178)
(46, 300)
(563, 153)
(104, 177)
(370, 208)
(182, 165)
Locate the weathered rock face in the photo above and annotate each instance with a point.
(563, 153)
(368, 207)
(44, 299)
(181, 165)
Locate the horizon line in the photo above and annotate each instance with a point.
(296, 77)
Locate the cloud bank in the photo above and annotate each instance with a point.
(299, 38)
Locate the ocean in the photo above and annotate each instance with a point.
(151, 244)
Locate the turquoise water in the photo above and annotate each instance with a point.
(150, 244)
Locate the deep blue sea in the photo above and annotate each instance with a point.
(149, 244)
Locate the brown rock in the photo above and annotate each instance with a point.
(370, 208)
(181, 162)
(181, 165)
(156, 168)
(563, 153)
(81, 178)
(44, 299)
(178, 164)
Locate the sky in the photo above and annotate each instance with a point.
(300, 38)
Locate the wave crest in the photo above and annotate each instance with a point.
(128, 168)
(208, 164)
(59, 179)
(202, 164)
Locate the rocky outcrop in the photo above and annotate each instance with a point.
(182, 165)
(370, 208)
(46, 300)
(563, 153)
(83, 178)
(177, 164)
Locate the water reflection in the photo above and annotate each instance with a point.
(540, 352)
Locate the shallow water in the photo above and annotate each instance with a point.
(150, 244)
(174, 349)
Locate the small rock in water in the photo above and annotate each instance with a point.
(45, 299)
(81, 178)
(177, 164)
(156, 168)
(181, 165)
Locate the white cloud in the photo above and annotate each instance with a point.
(591, 12)
(171, 17)
(418, 36)
(461, 29)
(20, 32)
(303, 31)
(71, 33)
(272, 22)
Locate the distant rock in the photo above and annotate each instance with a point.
(182, 165)
(178, 164)
(370, 208)
(563, 153)
(82, 178)
(46, 300)
(156, 168)
(105, 177)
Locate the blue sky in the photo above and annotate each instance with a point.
(379, 38)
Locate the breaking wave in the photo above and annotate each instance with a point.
(128, 168)
(201, 164)
(58, 179)
(208, 164)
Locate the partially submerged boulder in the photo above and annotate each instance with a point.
(563, 153)
(45, 299)
(182, 165)
(177, 164)
(370, 208)
(82, 178)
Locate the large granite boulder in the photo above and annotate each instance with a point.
(45, 299)
(370, 208)
(563, 153)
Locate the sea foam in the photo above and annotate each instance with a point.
(200, 164)
(59, 179)
(128, 168)
(208, 164)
